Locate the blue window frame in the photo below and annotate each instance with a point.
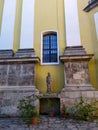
(50, 48)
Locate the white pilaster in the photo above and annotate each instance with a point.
(71, 23)
(27, 25)
(96, 22)
(7, 28)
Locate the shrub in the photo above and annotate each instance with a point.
(64, 111)
(83, 110)
(27, 108)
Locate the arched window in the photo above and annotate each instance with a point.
(49, 47)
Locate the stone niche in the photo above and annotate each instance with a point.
(77, 81)
(17, 78)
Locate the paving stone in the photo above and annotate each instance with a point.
(47, 123)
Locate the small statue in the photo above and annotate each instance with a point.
(48, 82)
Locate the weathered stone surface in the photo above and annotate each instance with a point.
(74, 50)
(69, 97)
(10, 99)
(77, 73)
(77, 81)
(17, 69)
(25, 53)
(17, 74)
(17, 77)
(6, 54)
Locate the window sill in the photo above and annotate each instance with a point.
(50, 63)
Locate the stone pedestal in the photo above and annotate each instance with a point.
(77, 81)
(4, 54)
(25, 53)
(17, 78)
(76, 70)
(10, 96)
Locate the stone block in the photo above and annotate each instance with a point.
(90, 94)
(84, 94)
(74, 94)
(25, 53)
(78, 50)
(11, 97)
(96, 94)
(4, 54)
(77, 72)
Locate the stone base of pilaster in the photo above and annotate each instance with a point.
(10, 96)
(75, 62)
(74, 50)
(17, 79)
(69, 97)
(18, 70)
(77, 80)
(4, 54)
(25, 53)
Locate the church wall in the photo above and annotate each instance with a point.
(50, 17)
(23, 77)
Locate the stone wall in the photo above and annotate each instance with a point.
(77, 81)
(17, 74)
(17, 79)
(77, 73)
(70, 97)
(10, 96)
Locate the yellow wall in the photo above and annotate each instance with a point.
(1, 11)
(17, 25)
(89, 38)
(49, 16)
(94, 40)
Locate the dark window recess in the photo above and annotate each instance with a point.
(50, 48)
(45, 108)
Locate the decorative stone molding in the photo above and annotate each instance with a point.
(5, 54)
(48, 95)
(91, 4)
(25, 53)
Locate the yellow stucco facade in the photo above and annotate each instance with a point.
(48, 16)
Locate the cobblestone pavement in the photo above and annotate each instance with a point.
(48, 123)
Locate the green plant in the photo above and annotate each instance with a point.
(83, 110)
(51, 104)
(64, 111)
(27, 108)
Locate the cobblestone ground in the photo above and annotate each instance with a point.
(48, 123)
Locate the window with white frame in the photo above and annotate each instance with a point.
(49, 47)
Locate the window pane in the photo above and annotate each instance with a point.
(46, 42)
(50, 48)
